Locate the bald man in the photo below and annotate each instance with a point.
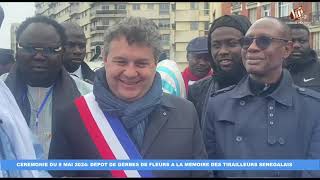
(264, 116)
(75, 51)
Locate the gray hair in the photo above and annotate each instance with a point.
(136, 30)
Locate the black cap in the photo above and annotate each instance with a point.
(198, 45)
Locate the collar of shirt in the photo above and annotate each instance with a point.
(78, 73)
(283, 94)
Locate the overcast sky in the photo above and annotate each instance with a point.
(14, 12)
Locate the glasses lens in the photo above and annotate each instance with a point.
(246, 42)
(263, 42)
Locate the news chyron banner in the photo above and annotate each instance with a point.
(160, 164)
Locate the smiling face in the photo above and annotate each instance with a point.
(225, 48)
(266, 63)
(130, 69)
(39, 54)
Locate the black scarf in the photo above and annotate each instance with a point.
(296, 65)
(134, 115)
(232, 77)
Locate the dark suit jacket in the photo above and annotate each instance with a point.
(87, 73)
(173, 133)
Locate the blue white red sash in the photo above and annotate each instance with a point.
(109, 135)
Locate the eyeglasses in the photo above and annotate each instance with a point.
(49, 51)
(263, 42)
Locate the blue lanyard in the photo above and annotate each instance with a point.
(42, 105)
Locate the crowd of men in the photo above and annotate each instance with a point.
(250, 91)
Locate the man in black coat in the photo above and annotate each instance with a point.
(75, 51)
(264, 116)
(303, 62)
(224, 48)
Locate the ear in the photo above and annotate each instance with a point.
(288, 49)
(105, 57)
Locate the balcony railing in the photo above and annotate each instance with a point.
(116, 11)
(96, 43)
(251, 3)
(108, 13)
(99, 29)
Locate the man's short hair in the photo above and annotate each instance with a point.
(45, 20)
(136, 30)
(299, 26)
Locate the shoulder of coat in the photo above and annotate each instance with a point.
(224, 90)
(308, 92)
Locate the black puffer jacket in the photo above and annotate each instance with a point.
(306, 74)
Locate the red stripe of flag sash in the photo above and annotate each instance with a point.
(109, 135)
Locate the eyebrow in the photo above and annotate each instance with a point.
(125, 59)
(229, 39)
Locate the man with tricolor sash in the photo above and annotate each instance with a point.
(128, 116)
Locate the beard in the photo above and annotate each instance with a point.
(38, 79)
(304, 59)
(71, 67)
(232, 77)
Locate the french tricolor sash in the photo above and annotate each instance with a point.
(109, 136)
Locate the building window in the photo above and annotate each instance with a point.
(194, 26)
(122, 6)
(173, 7)
(164, 24)
(150, 6)
(236, 5)
(316, 12)
(193, 5)
(105, 7)
(206, 5)
(252, 14)
(165, 39)
(206, 8)
(105, 22)
(164, 8)
(315, 39)
(285, 8)
(136, 6)
(265, 11)
(316, 6)
(236, 13)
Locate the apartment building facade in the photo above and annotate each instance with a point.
(256, 10)
(179, 22)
